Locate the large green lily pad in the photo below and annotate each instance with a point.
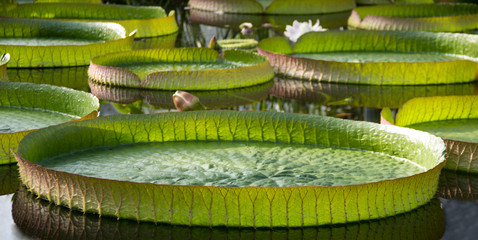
(147, 21)
(163, 99)
(226, 136)
(36, 43)
(273, 6)
(454, 118)
(25, 107)
(376, 57)
(41, 219)
(416, 17)
(185, 69)
(362, 95)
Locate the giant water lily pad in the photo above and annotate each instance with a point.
(273, 6)
(163, 99)
(376, 57)
(416, 17)
(147, 21)
(25, 107)
(454, 118)
(247, 169)
(48, 43)
(362, 95)
(42, 219)
(185, 69)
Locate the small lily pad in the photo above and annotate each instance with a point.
(147, 21)
(185, 69)
(276, 154)
(454, 118)
(416, 17)
(47, 43)
(376, 57)
(25, 107)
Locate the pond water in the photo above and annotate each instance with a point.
(452, 215)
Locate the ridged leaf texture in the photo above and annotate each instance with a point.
(255, 69)
(232, 206)
(45, 97)
(416, 17)
(462, 156)
(227, 6)
(111, 36)
(70, 77)
(42, 219)
(376, 73)
(148, 21)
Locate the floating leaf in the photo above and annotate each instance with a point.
(147, 21)
(22, 105)
(247, 206)
(185, 69)
(376, 57)
(416, 17)
(244, 44)
(44, 220)
(48, 43)
(454, 118)
(362, 95)
(287, 7)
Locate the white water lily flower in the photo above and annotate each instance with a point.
(299, 28)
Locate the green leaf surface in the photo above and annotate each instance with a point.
(41, 219)
(148, 21)
(15, 96)
(357, 95)
(416, 17)
(232, 206)
(109, 37)
(453, 118)
(357, 43)
(184, 69)
(163, 99)
(286, 7)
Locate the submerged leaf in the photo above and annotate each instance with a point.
(248, 206)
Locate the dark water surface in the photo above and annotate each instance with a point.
(452, 215)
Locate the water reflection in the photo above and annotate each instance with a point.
(458, 186)
(163, 99)
(363, 95)
(9, 179)
(71, 77)
(41, 219)
(167, 41)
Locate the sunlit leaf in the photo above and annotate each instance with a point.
(41, 219)
(247, 206)
(416, 17)
(147, 21)
(185, 69)
(48, 43)
(43, 98)
(453, 118)
(376, 57)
